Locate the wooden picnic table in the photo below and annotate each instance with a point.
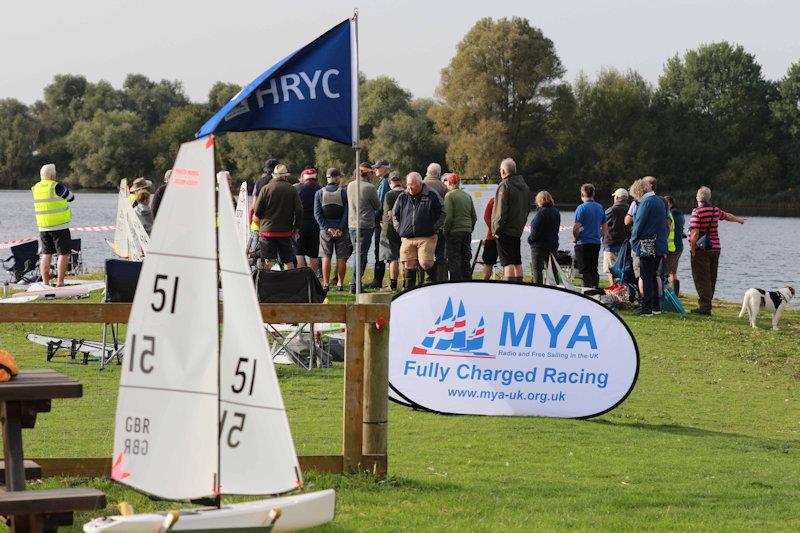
(21, 399)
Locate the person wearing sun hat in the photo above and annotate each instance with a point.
(279, 215)
(137, 185)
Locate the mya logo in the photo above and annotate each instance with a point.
(450, 337)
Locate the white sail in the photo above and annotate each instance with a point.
(165, 441)
(121, 227)
(257, 454)
(242, 215)
(140, 240)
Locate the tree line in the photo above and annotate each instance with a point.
(711, 119)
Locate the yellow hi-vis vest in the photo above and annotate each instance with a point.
(671, 236)
(51, 210)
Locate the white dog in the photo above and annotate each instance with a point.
(775, 301)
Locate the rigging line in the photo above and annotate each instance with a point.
(279, 409)
(168, 389)
(182, 256)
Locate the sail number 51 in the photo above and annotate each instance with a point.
(162, 293)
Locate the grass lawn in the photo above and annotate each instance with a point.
(708, 440)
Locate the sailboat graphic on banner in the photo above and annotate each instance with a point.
(449, 338)
(199, 418)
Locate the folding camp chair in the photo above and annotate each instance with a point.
(75, 265)
(23, 264)
(121, 279)
(293, 341)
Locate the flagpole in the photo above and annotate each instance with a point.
(357, 148)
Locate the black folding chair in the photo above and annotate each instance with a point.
(23, 264)
(299, 285)
(121, 279)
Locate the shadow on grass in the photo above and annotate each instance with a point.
(688, 431)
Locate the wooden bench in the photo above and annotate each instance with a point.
(32, 471)
(45, 510)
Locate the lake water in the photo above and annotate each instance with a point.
(764, 252)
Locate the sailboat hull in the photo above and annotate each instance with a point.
(297, 512)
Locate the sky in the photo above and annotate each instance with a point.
(199, 41)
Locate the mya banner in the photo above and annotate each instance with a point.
(494, 348)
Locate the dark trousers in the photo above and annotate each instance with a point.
(459, 253)
(366, 239)
(438, 255)
(648, 268)
(539, 256)
(586, 256)
(704, 271)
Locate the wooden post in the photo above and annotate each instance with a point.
(376, 381)
(352, 432)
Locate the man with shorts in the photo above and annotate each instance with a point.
(617, 232)
(512, 203)
(279, 215)
(390, 239)
(330, 212)
(308, 242)
(53, 215)
(417, 214)
(489, 255)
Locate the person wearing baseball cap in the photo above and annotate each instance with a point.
(390, 239)
(617, 232)
(308, 242)
(269, 167)
(330, 212)
(381, 169)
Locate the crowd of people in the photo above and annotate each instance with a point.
(425, 225)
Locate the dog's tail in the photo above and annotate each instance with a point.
(744, 305)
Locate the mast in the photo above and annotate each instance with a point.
(356, 142)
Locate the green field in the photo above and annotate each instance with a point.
(708, 440)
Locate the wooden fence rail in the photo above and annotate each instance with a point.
(359, 319)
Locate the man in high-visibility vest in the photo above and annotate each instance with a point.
(51, 205)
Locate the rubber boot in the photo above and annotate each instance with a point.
(421, 274)
(676, 286)
(409, 279)
(431, 274)
(377, 278)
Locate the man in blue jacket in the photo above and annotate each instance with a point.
(417, 217)
(649, 243)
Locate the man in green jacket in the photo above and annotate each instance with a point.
(512, 203)
(279, 215)
(459, 221)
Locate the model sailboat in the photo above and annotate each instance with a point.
(196, 419)
(130, 238)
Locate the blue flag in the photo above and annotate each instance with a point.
(313, 90)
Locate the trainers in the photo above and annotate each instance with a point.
(645, 313)
(657, 312)
(340, 288)
(699, 312)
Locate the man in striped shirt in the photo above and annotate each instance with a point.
(705, 247)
